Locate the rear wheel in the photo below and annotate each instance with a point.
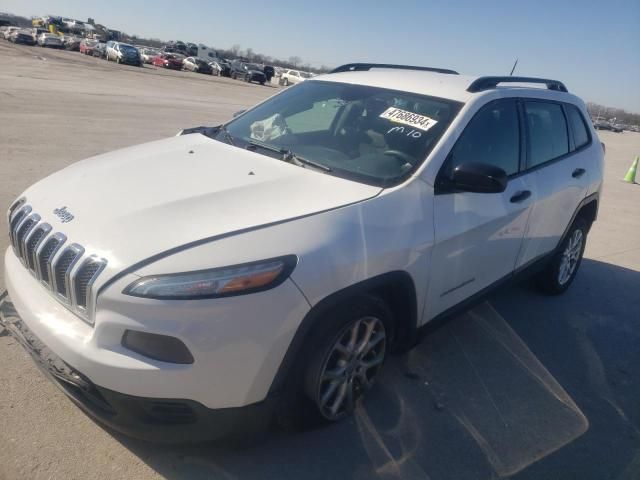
(561, 271)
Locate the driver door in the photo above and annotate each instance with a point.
(478, 235)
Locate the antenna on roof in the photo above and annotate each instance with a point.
(514, 67)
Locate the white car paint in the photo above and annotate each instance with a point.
(49, 40)
(191, 203)
(291, 77)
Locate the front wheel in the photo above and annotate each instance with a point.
(346, 357)
(285, 82)
(561, 271)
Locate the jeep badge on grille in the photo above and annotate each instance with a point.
(63, 214)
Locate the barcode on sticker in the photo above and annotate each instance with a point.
(414, 120)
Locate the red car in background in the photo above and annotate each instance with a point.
(169, 60)
(87, 46)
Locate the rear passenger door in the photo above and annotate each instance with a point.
(556, 138)
(478, 236)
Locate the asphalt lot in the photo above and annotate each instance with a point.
(524, 386)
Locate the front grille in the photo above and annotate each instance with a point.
(45, 255)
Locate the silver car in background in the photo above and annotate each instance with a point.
(50, 40)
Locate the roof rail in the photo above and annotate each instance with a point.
(487, 83)
(363, 67)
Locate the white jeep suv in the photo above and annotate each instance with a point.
(192, 286)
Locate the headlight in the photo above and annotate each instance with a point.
(218, 282)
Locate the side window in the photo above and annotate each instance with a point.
(578, 126)
(491, 137)
(548, 137)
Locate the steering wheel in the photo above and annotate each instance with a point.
(403, 157)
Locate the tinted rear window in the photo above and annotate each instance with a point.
(578, 126)
(548, 137)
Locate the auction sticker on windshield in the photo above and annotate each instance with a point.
(408, 118)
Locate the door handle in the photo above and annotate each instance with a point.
(578, 172)
(520, 196)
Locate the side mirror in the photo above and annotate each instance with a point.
(238, 113)
(479, 178)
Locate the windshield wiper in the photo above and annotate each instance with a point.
(227, 136)
(289, 156)
(266, 146)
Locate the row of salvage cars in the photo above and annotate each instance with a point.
(167, 57)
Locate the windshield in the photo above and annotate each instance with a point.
(368, 134)
(253, 66)
(305, 75)
(128, 48)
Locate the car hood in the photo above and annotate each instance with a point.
(135, 203)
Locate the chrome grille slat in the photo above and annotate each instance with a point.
(45, 255)
(32, 242)
(14, 224)
(85, 276)
(63, 269)
(23, 231)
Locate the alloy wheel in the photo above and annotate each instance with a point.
(570, 257)
(350, 367)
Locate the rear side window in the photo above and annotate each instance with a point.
(548, 138)
(578, 126)
(491, 137)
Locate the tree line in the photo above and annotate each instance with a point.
(618, 115)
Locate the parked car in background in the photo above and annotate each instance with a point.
(191, 49)
(123, 53)
(168, 60)
(220, 67)
(23, 36)
(603, 125)
(176, 47)
(8, 31)
(35, 31)
(100, 50)
(50, 40)
(249, 72)
(194, 64)
(291, 77)
(88, 46)
(147, 54)
(72, 43)
(216, 69)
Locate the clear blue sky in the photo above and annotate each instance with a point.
(593, 46)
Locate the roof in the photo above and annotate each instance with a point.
(450, 86)
(424, 83)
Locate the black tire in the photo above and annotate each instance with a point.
(554, 279)
(302, 406)
(262, 83)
